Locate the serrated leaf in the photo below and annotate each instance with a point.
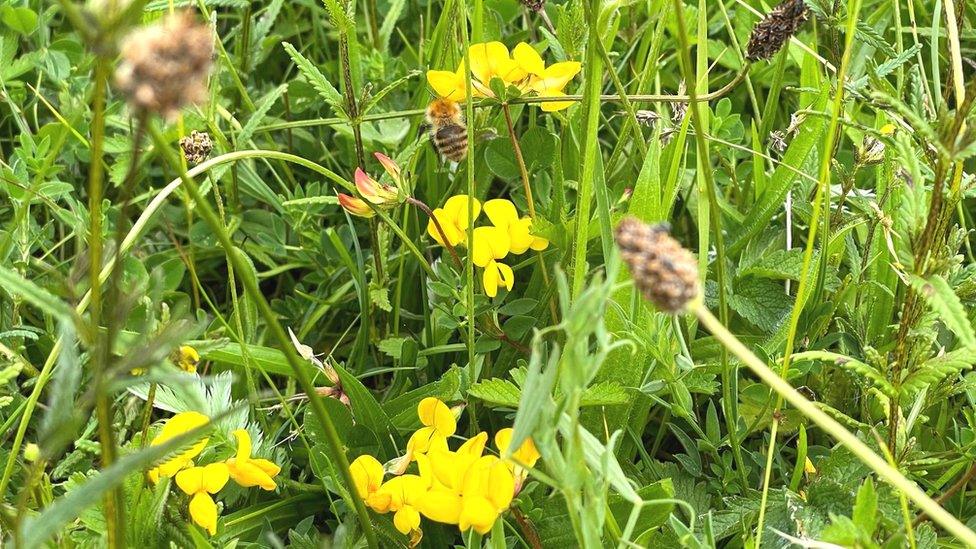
(938, 368)
(945, 303)
(314, 76)
(762, 302)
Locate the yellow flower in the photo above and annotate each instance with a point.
(552, 81)
(490, 60)
(453, 218)
(448, 84)
(528, 59)
(200, 482)
(367, 475)
(519, 459)
(188, 359)
(405, 493)
(175, 426)
(251, 472)
(439, 423)
(469, 490)
(495, 275)
(503, 215)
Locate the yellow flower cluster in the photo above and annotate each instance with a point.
(508, 233)
(460, 487)
(200, 482)
(523, 68)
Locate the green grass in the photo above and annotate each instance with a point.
(829, 223)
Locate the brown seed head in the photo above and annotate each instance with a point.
(664, 271)
(534, 5)
(165, 65)
(196, 146)
(779, 25)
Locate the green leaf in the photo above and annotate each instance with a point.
(366, 410)
(270, 360)
(403, 409)
(762, 302)
(866, 508)
(318, 80)
(808, 135)
(16, 285)
(22, 20)
(945, 303)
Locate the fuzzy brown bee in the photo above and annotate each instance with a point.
(447, 129)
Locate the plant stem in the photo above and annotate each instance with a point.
(729, 372)
(519, 160)
(833, 428)
(332, 439)
(823, 188)
(437, 225)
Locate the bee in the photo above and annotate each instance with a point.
(445, 123)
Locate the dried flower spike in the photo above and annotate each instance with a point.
(165, 65)
(534, 5)
(779, 25)
(196, 146)
(664, 272)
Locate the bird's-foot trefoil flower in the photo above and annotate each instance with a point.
(520, 459)
(248, 471)
(504, 216)
(200, 483)
(188, 359)
(175, 426)
(454, 220)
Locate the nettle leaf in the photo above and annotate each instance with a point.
(945, 303)
(762, 302)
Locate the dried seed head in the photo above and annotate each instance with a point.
(664, 272)
(779, 25)
(647, 117)
(534, 5)
(165, 65)
(196, 146)
(679, 108)
(777, 141)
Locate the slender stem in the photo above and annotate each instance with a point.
(533, 100)
(833, 428)
(437, 225)
(332, 439)
(823, 188)
(519, 159)
(729, 372)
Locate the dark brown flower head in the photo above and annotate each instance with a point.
(534, 5)
(664, 271)
(779, 25)
(196, 146)
(165, 65)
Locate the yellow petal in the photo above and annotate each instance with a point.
(506, 276)
(406, 520)
(553, 106)
(501, 212)
(489, 279)
(215, 476)
(539, 243)
(243, 444)
(454, 236)
(190, 480)
(270, 468)
(456, 210)
(426, 439)
(436, 414)
(556, 76)
(189, 358)
(246, 474)
(441, 506)
(475, 445)
(175, 426)
(477, 513)
(447, 84)
(489, 243)
(488, 60)
(528, 59)
(520, 234)
(525, 455)
(203, 510)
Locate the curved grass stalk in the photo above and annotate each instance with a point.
(810, 410)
